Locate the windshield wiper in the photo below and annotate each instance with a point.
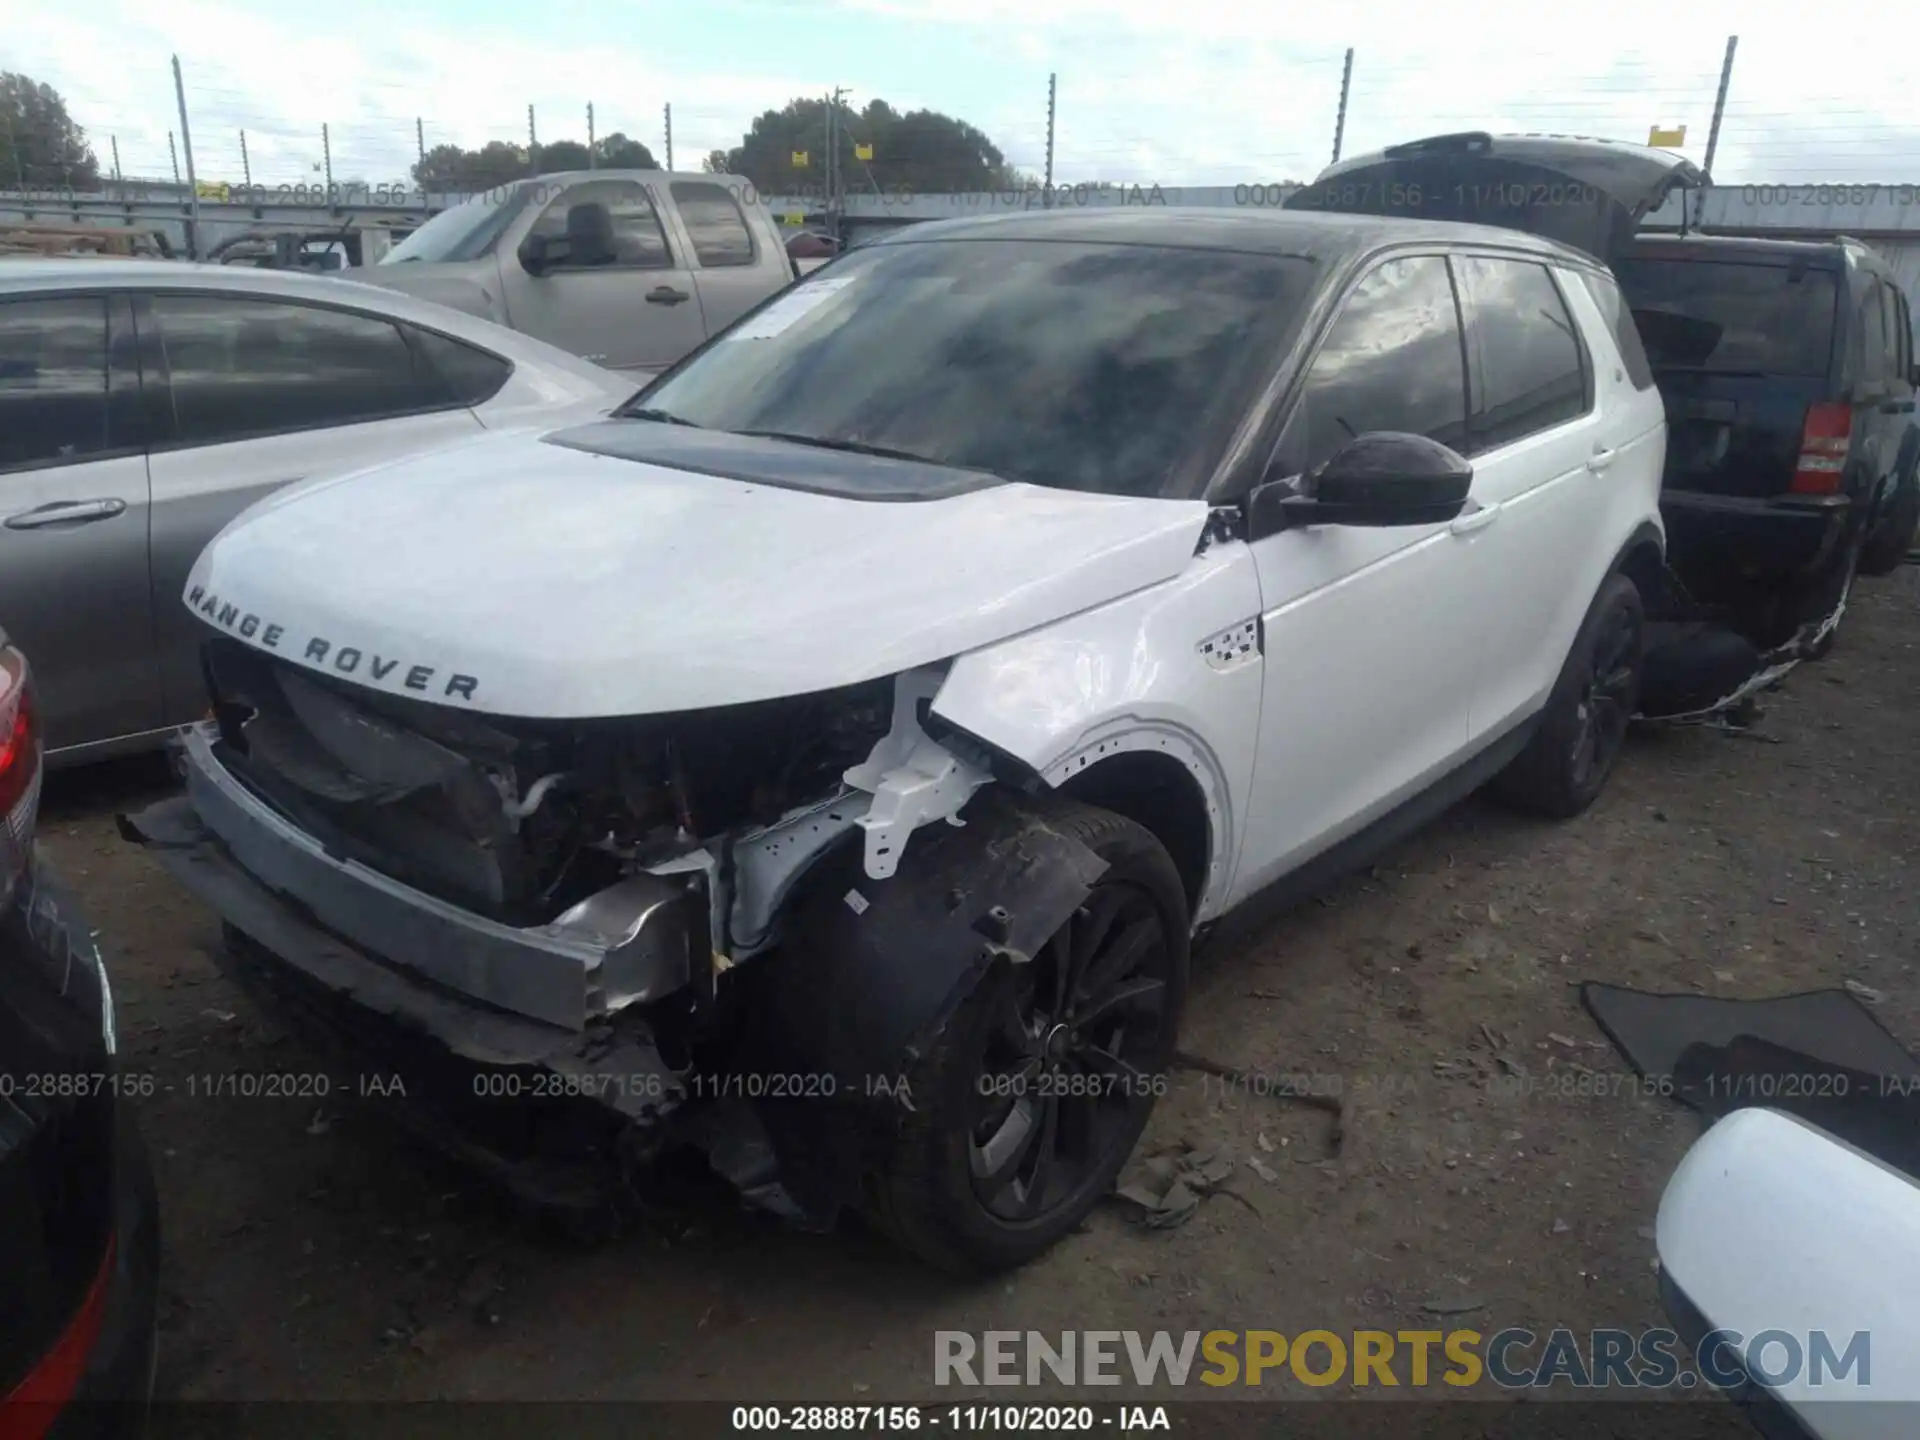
(665, 417)
(851, 447)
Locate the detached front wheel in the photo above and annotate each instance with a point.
(1045, 1078)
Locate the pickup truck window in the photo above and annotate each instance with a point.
(715, 223)
(1120, 369)
(638, 240)
(466, 232)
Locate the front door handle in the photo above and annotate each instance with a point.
(666, 295)
(1478, 518)
(1601, 458)
(65, 512)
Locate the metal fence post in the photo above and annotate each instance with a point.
(593, 162)
(1340, 116)
(186, 145)
(1046, 185)
(1720, 104)
(246, 163)
(669, 112)
(533, 145)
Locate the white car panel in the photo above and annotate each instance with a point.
(676, 590)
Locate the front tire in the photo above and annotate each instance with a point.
(1584, 726)
(1042, 1083)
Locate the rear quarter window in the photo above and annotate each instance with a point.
(1626, 336)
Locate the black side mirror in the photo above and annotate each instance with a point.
(534, 258)
(1382, 478)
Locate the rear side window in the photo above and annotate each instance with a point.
(1613, 306)
(1732, 316)
(1390, 362)
(1526, 370)
(53, 380)
(242, 367)
(1902, 332)
(467, 374)
(1872, 334)
(714, 223)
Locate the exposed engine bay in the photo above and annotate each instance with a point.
(521, 821)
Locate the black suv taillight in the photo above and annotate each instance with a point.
(19, 767)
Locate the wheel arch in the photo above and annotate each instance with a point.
(1643, 560)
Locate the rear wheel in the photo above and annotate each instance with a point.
(1886, 548)
(1041, 1085)
(1584, 726)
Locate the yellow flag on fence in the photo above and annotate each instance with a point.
(794, 217)
(799, 159)
(1667, 139)
(211, 189)
(862, 152)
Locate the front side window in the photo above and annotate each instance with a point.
(715, 224)
(1121, 369)
(53, 380)
(1527, 370)
(1390, 362)
(638, 240)
(243, 367)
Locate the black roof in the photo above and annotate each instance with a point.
(1831, 251)
(1314, 235)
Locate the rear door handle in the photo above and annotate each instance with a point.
(1601, 458)
(1478, 518)
(666, 295)
(65, 512)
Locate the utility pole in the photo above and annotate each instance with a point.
(1340, 116)
(593, 162)
(669, 112)
(533, 145)
(246, 165)
(1046, 189)
(1720, 104)
(186, 144)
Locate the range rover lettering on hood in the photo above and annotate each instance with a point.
(322, 652)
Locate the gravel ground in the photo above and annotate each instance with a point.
(315, 1252)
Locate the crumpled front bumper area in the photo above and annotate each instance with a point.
(551, 1109)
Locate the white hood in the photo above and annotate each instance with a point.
(516, 576)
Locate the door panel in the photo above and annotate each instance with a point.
(640, 312)
(738, 268)
(1371, 637)
(1539, 455)
(74, 592)
(253, 387)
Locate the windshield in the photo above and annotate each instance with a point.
(1731, 317)
(466, 232)
(1113, 368)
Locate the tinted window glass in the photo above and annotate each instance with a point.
(466, 373)
(1903, 333)
(1870, 333)
(250, 367)
(1526, 367)
(1390, 362)
(714, 223)
(638, 239)
(1720, 315)
(53, 380)
(1116, 368)
(1613, 305)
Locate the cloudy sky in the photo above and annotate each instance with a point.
(1169, 91)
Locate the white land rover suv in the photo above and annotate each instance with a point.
(825, 762)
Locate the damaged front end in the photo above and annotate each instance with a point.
(555, 936)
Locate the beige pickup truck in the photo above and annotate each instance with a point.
(630, 269)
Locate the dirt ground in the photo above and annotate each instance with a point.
(312, 1251)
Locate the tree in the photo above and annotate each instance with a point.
(921, 151)
(40, 146)
(617, 152)
(451, 170)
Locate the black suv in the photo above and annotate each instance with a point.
(1786, 366)
(1787, 370)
